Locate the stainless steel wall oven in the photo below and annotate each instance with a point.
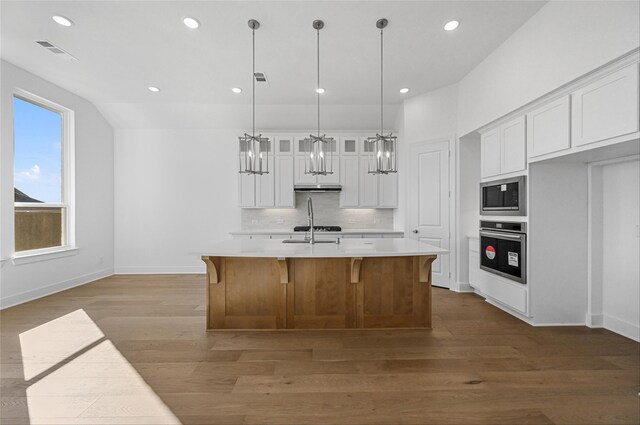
(503, 249)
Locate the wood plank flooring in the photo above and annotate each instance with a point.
(133, 350)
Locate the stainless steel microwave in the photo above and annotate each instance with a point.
(503, 197)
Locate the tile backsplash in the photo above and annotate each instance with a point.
(326, 212)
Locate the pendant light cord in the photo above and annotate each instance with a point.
(381, 87)
(253, 79)
(318, 75)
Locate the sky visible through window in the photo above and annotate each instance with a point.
(38, 151)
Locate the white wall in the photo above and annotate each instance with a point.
(430, 116)
(621, 248)
(558, 240)
(468, 214)
(421, 118)
(94, 196)
(176, 192)
(563, 41)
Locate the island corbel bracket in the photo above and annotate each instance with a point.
(425, 262)
(212, 271)
(355, 269)
(284, 270)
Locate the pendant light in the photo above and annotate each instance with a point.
(382, 148)
(254, 150)
(318, 149)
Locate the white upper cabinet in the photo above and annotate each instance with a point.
(350, 159)
(349, 145)
(285, 196)
(349, 178)
(606, 108)
(284, 145)
(513, 146)
(368, 186)
(388, 190)
(265, 187)
(503, 149)
(490, 152)
(548, 128)
(300, 176)
(246, 190)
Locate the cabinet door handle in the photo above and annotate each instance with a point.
(415, 230)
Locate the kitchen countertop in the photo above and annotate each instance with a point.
(343, 232)
(347, 248)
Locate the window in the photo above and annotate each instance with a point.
(43, 174)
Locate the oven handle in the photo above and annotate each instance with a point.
(500, 235)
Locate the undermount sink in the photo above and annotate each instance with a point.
(307, 241)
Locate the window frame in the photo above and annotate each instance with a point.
(67, 179)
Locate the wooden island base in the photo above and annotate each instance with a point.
(319, 293)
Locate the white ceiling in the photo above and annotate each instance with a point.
(123, 47)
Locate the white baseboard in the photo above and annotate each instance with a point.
(53, 288)
(622, 327)
(595, 320)
(507, 309)
(462, 287)
(161, 270)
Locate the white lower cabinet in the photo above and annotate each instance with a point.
(548, 128)
(606, 108)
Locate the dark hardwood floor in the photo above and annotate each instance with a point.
(133, 350)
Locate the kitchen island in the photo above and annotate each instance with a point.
(267, 284)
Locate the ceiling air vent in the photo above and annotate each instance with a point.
(56, 50)
(260, 77)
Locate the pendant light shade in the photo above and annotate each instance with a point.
(318, 149)
(382, 148)
(254, 150)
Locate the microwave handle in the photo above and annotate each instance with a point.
(500, 235)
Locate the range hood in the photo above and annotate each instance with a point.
(317, 188)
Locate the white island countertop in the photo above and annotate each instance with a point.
(318, 232)
(347, 248)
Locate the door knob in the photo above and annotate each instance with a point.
(415, 230)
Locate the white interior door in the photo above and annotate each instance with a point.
(429, 202)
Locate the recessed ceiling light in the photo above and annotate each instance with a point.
(451, 25)
(404, 90)
(192, 23)
(59, 19)
(236, 90)
(319, 90)
(154, 89)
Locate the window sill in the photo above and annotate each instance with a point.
(43, 255)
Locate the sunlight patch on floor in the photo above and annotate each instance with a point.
(79, 376)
